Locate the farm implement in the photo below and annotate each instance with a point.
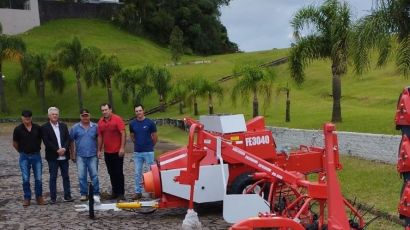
(229, 160)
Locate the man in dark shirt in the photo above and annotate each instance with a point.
(27, 141)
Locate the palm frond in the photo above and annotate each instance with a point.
(403, 57)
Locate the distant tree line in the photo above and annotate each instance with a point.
(202, 31)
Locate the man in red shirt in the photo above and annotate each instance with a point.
(111, 140)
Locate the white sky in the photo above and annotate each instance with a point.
(265, 24)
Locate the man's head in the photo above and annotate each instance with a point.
(26, 116)
(53, 114)
(139, 111)
(85, 116)
(106, 110)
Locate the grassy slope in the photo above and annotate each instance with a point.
(368, 102)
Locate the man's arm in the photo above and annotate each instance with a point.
(122, 149)
(132, 137)
(16, 145)
(72, 151)
(100, 145)
(154, 137)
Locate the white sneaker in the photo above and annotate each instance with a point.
(83, 198)
(97, 199)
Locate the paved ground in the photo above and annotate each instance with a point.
(63, 216)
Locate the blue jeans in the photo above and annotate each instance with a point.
(26, 162)
(90, 165)
(139, 159)
(53, 166)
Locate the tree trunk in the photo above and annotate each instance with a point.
(161, 103)
(337, 94)
(255, 104)
(287, 119)
(181, 106)
(42, 92)
(195, 107)
(109, 92)
(79, 91)
(210, 104)
(3, 105)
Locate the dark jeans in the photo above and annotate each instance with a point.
(53, 166)
(115, 169)
(26, 162)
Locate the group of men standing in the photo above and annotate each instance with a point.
(85, 144)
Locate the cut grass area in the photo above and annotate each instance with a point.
(368, 102)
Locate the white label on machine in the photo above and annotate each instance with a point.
(208, 187)
(258, 140)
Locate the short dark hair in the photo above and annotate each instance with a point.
(104, 104)
(138, 105)
(82, 111)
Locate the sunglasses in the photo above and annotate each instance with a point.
(85, 115)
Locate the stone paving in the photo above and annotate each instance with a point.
(63, 216)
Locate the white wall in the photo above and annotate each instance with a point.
(369, 146)
(19, 21)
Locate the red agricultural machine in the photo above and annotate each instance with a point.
(235, 162)
(402, 120)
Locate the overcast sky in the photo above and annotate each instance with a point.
(265, 24)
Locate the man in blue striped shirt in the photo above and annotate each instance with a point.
(84, 151)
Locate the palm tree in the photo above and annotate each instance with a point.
(73, 55)
(331, 27)
(133, 83)
(13, 48)
(179, 93)
(106, 69)
(36, 68)
(286, 89)
(253, 81)
(390, 19)
(161, 78)
(209, 89)
(194, 86)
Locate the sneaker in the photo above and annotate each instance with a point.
(97, 199)
(83, 198)
(68, 199)
(41, 201)
(52, 201)
(137, 196)
(26, 203)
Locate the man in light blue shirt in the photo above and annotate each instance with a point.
(84, 151)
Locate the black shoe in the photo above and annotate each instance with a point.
(121, 198)
(68, 199)
(52, 201)
(113, 196)
(137, 196)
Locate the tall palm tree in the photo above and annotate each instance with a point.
(161, 80)
(390, 19)
(194, 86)
(133, 83)
(331, 26)
(209, 89)
(253, 81)
(13, 48)
(106, 69)
(179, 93)
(73, 55)
(35, 67)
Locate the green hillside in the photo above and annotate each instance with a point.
(368, 102)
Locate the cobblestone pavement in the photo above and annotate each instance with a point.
(63, 216)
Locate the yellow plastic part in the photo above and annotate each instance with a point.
(126, 205)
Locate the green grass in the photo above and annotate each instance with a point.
(368, 102)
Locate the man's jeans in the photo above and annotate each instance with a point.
(53, 166)
(26, 162)
(90, 165)
(139, 159)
